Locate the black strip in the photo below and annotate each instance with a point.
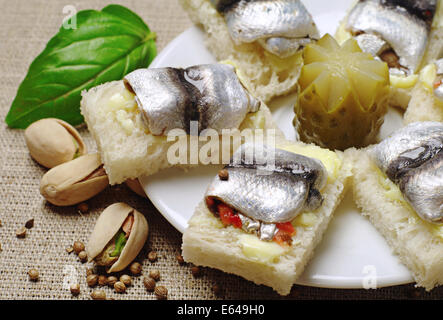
(403, 164)
(422, 9)
(191, 97)
(225, 5)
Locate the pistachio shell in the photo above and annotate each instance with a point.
(135, 186)
(53, 141)
(74, 181)
(108, 224)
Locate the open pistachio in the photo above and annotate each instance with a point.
(53, 141)
(118, 236)
(74, 181)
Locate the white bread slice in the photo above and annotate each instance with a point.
(126, 149)
(423, 106)
(207, 243)
(414, 241)
(266, 75)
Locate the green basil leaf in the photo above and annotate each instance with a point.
(105, 46)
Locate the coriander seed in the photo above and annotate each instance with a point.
(154, 274)
(216, 289)
(127, 280)
(180, 259)
(161, 292)
(92, 280)
(98, 295)
(149, 283)
(78, 247)
(102, 280)
(21, 233)
(29, 224)
(75, 289)
(119, 287)
(111, 281)
(152, 256)
(223, 174)
(83, 207)
(33, 275)
(196, 272)
(135, 268)
(83, 256)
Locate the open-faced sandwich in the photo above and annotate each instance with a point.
(405, 34)
(398, 184)
(265, 212)
(135, 121)
(426, 102)
(263, 38)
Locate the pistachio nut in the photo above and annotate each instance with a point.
(135, 186)
(53, 141)
(118, 236)
(74, 181)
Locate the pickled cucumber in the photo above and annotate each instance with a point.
(342, 95)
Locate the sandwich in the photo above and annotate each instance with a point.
(398, 185)
(404, 34)
(426, 102)
(263, 38)
(263, 215)
(141, 122)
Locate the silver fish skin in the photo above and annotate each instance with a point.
(282, 26)
(412, 158)
(267, 191)
(408, 147)
(423, 189)
(372, 43)
(169, 98)
(284, 47)
(404, 25)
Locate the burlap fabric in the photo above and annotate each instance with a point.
(25, 28)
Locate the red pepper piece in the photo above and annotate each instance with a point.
(283, 238)
(286, 227)
(228, 217)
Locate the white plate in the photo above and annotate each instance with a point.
(352, 254)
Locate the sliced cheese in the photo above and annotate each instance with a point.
(258, 250)
(327, 157)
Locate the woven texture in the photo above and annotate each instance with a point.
(25, 28)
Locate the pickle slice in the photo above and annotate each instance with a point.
(343, 95)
